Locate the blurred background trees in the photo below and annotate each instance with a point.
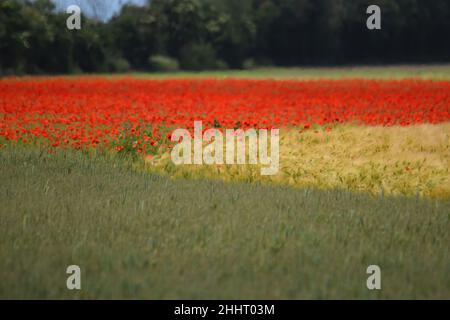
(218, 34)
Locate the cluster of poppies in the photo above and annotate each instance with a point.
(89, 111)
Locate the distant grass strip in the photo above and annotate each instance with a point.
(137, 235)
(436, 72)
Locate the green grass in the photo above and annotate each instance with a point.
(437, 72)
(137, 235)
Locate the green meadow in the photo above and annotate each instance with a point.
(435, 72)
(432, 72)
(139, 235)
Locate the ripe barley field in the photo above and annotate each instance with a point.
(412, 160)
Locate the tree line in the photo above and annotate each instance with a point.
(219, 34)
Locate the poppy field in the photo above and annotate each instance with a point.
(136, 117)
(86, 112)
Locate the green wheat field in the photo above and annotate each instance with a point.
(137, 235)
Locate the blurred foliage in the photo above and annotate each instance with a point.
(209, 34)
(198, 56)
(163, 63)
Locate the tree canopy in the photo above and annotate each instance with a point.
(209, 34)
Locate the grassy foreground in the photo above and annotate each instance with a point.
(137, 235)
